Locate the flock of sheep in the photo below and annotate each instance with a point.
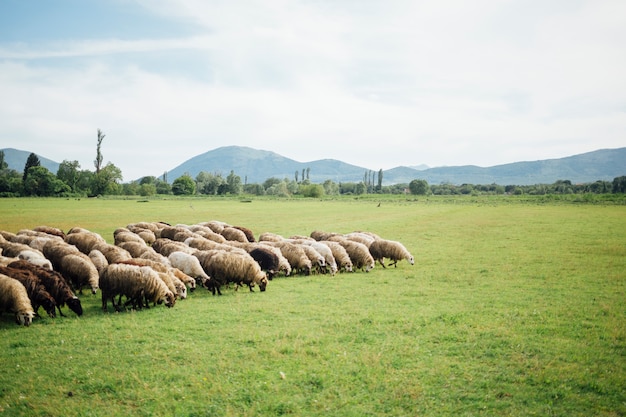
(153, 263)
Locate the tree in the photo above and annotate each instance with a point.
(234, 183)
(296, 175)
(98, 161)
(3, 163)
(106, 181)
(380, 180)
(619, 185)
(69, 173)
(312, 190)
(418, 187)
(43, 183)
(184, 185)
(31, 161)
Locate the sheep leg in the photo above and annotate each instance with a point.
(382, 262)
(60, 312)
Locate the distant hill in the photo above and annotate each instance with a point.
(16, 159)
(255, 166)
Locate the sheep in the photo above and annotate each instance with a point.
(14, 299)
(391, 249)
(267, 259)
(207, 233)
(126, 235)
(224, 267)
(83, 240)
(215, 225)
(344, 263)
(359, 254)
(176, 274)
(314, 256)
(39, 242)
(53, 231)
(54, 251)
(360, 237)
(79, 271)
(134, 248)
(152, 255)
(270, 237)
(234, 234)
(165, 246)
(176, 233)
(55, 284)
(114, 254)
(283, 264)
(320, 235)
(98, 260)
(12, 249)
(324, 250)
(190, 265)
(136, 283)
(296, 256)
(247, 232)
(36, 291)
(35, 257)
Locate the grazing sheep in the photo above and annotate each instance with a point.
(56, 285)
(224, 267)
(53, 231)
(54, 251)
(36, 291)
(207, 233)
(136, 283)
(314, 256)
(39, 242)
(176, 274)
(190, 265)
(153, 255)
(267, 259)
(125, 235)
(270, 237)
(360, 237)
(80, 271)
(35, 257)
(340, 254)
(283, 264)
(14, 299)
(215, 225)
(296, 256)
(359, 254)
(391, 249)
(12, 249)
(247, 232)
(165, 246)
(134, 248)
(114, 254)
(98, 260)
(83, 240)
(320, 235)
(234, 234)
(324, 250)
(176, 233)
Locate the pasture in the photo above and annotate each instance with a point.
(512, 308)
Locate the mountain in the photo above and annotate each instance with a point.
(256, 166)
(16, 159)
(604, 164)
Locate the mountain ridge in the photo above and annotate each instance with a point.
(256, 166)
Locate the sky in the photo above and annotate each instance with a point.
(378, 84)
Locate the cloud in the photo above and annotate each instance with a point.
(374, 84)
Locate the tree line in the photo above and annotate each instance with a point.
(72, 180)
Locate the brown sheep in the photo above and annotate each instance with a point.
(391, 249)
(224, 267)
(56, 285)
(36, 291)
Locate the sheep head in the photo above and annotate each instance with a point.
(24, 318)
(74, 305)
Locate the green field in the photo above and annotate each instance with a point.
(512, 308)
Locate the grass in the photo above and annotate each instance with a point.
(513, 308)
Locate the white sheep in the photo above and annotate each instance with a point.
(35, 257)
(83, 239)
(78, 269)
(324, 250)
(344, 263)
(98, 260)
(14, 299)
(190, 265)
(391, 249)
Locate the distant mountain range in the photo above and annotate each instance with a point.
(255, 166)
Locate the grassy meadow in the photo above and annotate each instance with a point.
(512, 308)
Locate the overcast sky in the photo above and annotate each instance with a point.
(373, 83)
